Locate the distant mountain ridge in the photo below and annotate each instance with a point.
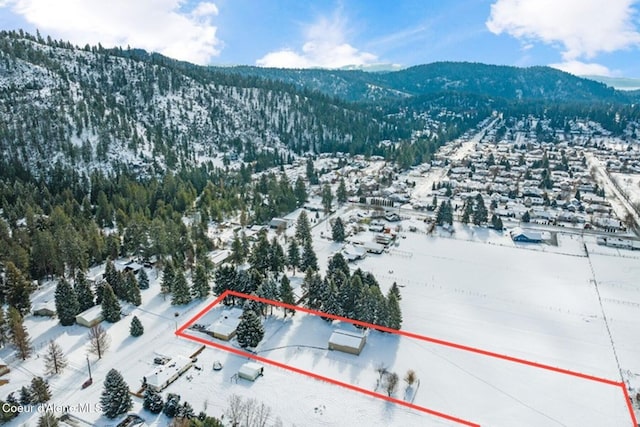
(507, 82)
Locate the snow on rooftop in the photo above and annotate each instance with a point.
(346, 338)
(159, 376)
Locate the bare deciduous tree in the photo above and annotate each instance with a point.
(98, 341)
(249, 412)
(391, 383)
(54, 359)
(411, 377)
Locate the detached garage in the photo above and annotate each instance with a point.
(90, 317)
(347, 342)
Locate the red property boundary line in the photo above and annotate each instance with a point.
(228, 293)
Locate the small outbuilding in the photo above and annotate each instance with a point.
(90, 317)
(280, 223)
(224, 328)
(251, 371)
(347, 342)
(520, 235)
(47, 309)
(163, 375)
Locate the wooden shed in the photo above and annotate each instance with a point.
(347, 342)
(251, 371)
(47, 309)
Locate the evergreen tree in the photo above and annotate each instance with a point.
(115, 399)
(250, 330)
(152, 401)
(19, 335)
(303, 228)
(136, 329)
(67, 306)
(293, 255)
(259, 258)
(110, 305)
(18, 289)
(338, 269)
(168, 278)
(331, 303)
(395, 291)
(224, 279)
(468, 211)
(171, 405)
(526, 217)
(276, 257)
(48, 419)
(496, 222)
(480, 213)
(286, 294)
(337, 231)
(395, 315)
(341, 192)
(83, 292)
(348, 296)
(238, 251)
(327, 198)
(181, 294)
(5, 330)
(143, 279)
(300, 192)
(132, 290)
(200, 288)
(40, 392)
(309, 259)
(315, 289)
(110, 272)
(185, 411)
(25, 396)
(54, 359)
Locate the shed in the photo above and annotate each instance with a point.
(90, 317)
(251, 371)
(219, 257)
(348, 342)
(47, 308)
(528, 236)
(224, 328)
(163, 375)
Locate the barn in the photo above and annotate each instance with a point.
(527, 236)
(224, 328)
(347, 342)
(163, 375)
(251, 371)
(90, 317)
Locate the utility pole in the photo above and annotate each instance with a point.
(89, 368)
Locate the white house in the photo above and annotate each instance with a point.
(163, 375)
(225, 326)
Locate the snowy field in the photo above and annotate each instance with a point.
(549, 304)
(630, 185)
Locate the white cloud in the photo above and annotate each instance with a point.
(325, 46)
(581, 28)
(579, 68)
(155, 25)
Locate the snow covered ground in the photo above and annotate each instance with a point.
(548, 304)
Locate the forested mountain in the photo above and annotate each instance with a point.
(508, 83)
(95, 107)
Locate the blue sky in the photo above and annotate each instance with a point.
(580, 36)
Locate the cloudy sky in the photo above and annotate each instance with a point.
(580, 36)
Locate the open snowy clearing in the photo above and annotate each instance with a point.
(476, 287)
(498, 392)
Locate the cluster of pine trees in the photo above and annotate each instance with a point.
(355, 296)
(174, 282)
